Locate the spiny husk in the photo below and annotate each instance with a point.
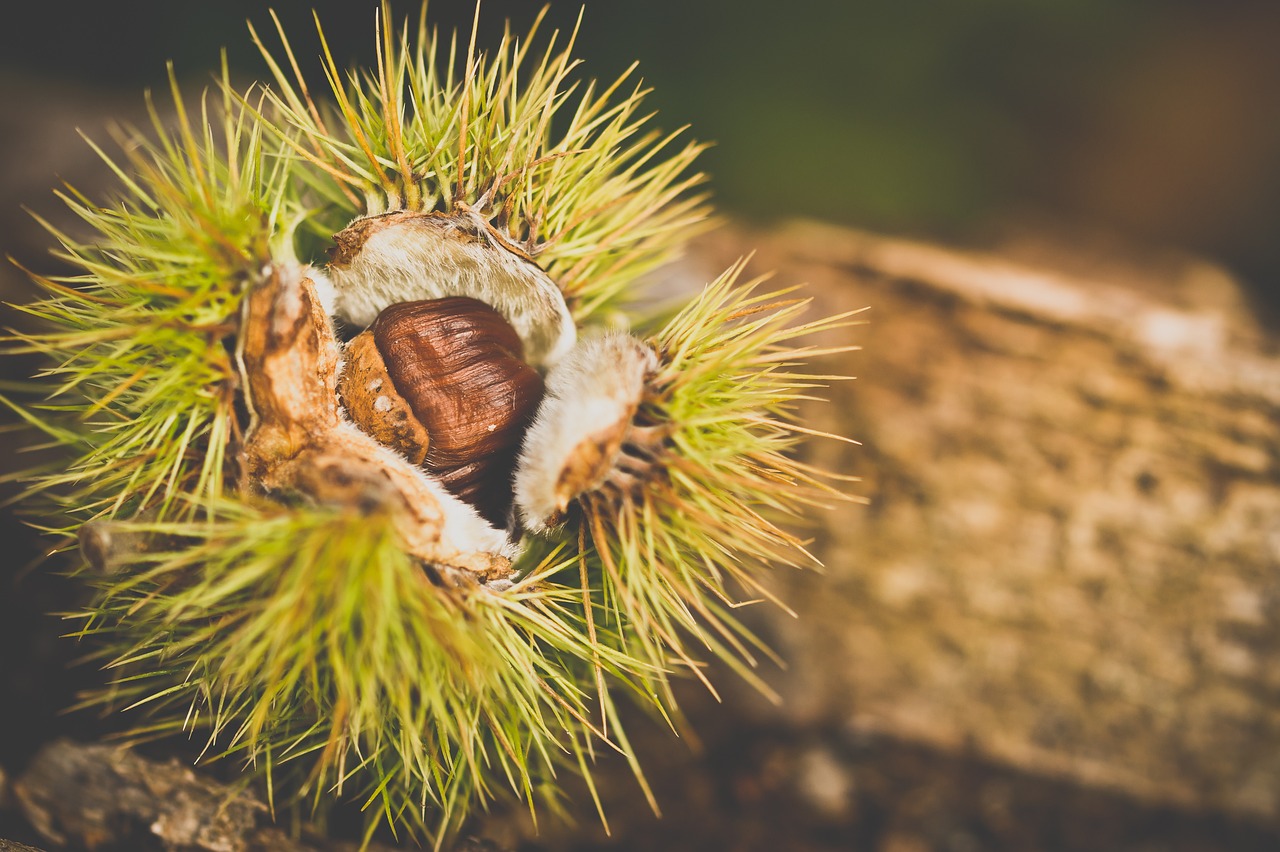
(302, 639)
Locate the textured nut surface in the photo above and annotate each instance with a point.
(373, 403)
(460, 366)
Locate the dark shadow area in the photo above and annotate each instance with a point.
(1151, 119)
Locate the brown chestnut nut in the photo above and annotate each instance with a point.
(457, 396)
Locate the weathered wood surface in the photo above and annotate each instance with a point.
(1071, 556)
(93, 796)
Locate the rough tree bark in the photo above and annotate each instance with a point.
(1070, 557)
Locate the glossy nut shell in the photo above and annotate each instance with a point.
(458, 367)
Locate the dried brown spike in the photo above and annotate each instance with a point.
(459, 366)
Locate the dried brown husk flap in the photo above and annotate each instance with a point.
(299, 446)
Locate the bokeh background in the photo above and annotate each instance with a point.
(1144, 124)
(1154, 120)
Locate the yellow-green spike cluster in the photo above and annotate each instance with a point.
(309, 644)
(303, 639)
(139, 382)
(574, 178)
(676, 556)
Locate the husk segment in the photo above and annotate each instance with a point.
(676, 548)
(310, 645)
(142, 383)
(565, 173)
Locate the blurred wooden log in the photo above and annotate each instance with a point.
(1071, 557)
